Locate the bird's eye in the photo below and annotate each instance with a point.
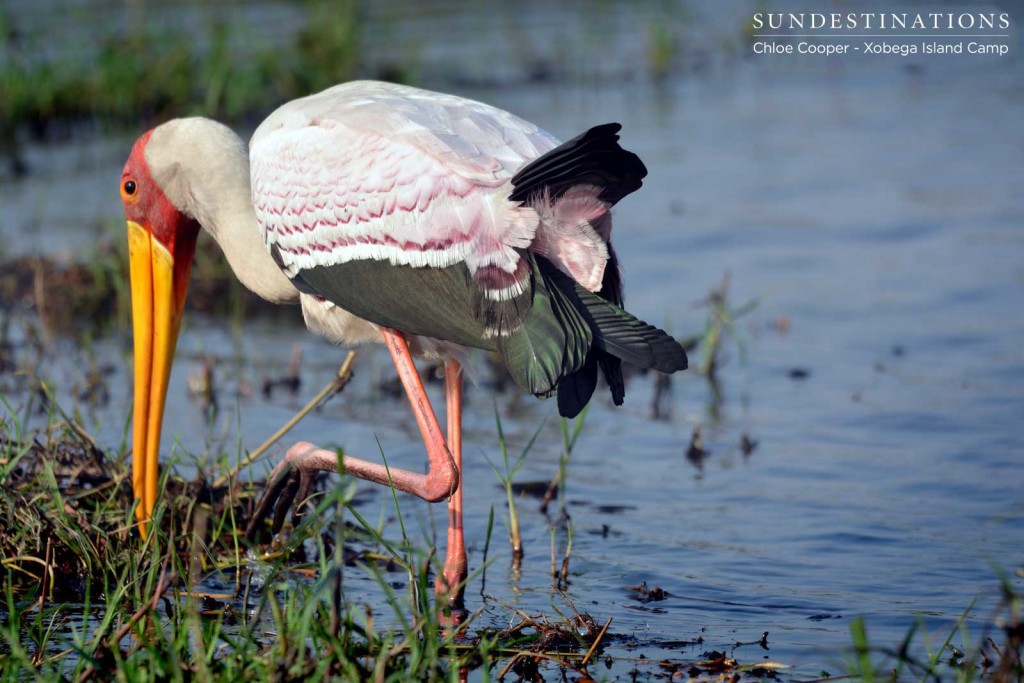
(129, 190)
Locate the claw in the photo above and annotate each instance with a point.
(292, 481)
(276, 484)
(307, 481)
(288, 491)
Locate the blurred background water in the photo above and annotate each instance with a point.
(872, 207)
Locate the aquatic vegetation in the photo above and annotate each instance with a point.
(153, 72)
(662, 50)
(720, 326)
(994, 656)
(84, 598)
(506, 477)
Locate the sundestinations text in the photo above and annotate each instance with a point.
(881, 21)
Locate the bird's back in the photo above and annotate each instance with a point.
(472, 139)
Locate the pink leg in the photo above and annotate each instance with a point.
(293, 478)
(296, 473)
(451, 583)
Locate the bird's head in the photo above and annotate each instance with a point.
(177, 177)
(161, 246)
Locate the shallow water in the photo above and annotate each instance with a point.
(878, 211)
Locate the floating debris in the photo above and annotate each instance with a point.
(695, 452)
(291, 382)
(643, 593)
(661, 403)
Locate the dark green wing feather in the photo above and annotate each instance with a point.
(619, 333)
(564, 334)
(553, 341)
(618, 337)
(442, 303)
(575, 390)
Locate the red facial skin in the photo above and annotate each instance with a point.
(150, 208)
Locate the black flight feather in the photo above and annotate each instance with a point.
(575, 390)
(617, 332)
(592, 158)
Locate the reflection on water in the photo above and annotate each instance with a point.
(879, 214)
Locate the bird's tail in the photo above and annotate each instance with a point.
(577, 324)
(571, 332)
(573, 188)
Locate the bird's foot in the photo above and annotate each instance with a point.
(452, 618)
(450, 590)
(292, 480)
(450, 586)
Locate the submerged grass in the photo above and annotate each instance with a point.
(506, 477)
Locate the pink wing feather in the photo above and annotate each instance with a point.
(386, 172)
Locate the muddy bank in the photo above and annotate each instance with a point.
(65, 513)
(93, 295)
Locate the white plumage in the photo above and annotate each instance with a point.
(370, 170)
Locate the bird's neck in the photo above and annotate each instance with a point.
(203, 168)
(232, 223)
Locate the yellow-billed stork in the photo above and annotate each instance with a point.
(429, 222)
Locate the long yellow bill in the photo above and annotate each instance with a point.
(157, 305)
